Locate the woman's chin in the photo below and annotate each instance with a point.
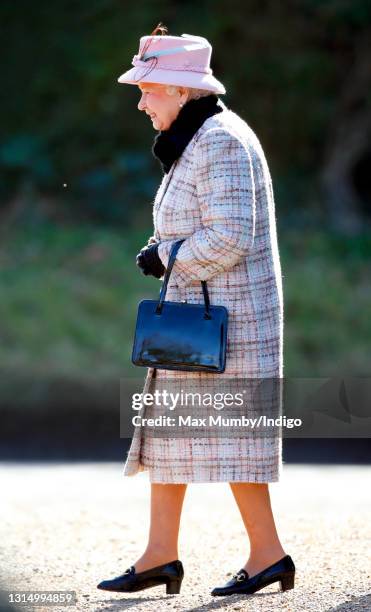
(158, 125)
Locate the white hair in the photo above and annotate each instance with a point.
(193, 93)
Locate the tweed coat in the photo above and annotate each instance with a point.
(220, 198)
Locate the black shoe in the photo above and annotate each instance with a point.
(170, 574)
(283, 571)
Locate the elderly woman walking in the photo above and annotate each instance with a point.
(217, 195)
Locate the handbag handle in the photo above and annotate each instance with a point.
(173, 251)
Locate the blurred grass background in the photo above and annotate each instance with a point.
(70, 295)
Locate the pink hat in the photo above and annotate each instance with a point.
(174, 60)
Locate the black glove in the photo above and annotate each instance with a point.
(149, 261)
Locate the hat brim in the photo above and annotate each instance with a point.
(183, 78)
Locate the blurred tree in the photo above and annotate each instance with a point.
(297, 72)
(348, 141)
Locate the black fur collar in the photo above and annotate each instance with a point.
(170, 144)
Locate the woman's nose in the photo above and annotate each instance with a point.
(141, 103)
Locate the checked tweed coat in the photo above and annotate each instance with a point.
(220, 198)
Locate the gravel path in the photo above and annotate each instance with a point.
(68, 526)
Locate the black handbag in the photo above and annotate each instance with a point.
(178, 335)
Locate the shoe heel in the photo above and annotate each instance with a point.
(287, 582)
(173, 587)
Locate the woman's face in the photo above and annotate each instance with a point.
(159, 105)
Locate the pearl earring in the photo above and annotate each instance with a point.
(181, 104)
